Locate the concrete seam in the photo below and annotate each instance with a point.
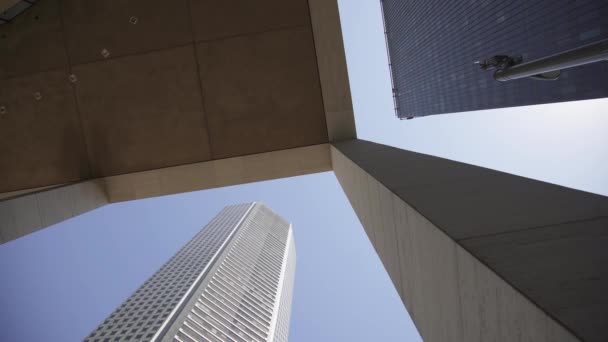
(73, 86)
(253, 33)
(563, 223)
(199, 80)
(175, 46)
(132, 54)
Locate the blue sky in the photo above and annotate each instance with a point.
(59, 283)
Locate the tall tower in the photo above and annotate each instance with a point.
(232, 282)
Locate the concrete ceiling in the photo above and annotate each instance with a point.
(100, 88)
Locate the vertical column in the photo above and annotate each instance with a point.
(476, 254)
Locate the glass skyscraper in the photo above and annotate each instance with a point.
(232, 282)
(433, 46)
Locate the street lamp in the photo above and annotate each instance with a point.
(549, 68)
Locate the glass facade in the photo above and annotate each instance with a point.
(433, 46)
(232, 282)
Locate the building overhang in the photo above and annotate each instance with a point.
(139, 100)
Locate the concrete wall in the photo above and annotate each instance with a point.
(449, 293)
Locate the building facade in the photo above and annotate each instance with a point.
(433, 46)
(232, 282)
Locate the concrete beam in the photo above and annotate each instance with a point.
(480, 255)
(28, 211)
(333, 73)
(219, 173)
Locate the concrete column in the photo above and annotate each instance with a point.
(480, 255)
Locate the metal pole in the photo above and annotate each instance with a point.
(591, 53)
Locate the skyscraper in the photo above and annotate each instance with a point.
(433, 46)
(232, 282)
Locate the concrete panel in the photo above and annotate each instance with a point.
(142, 112)
(450, 294)
(333, 72)
(123, 27)
(255, 99)
(18, 217)
(33, 41)
(41, 142)
(217, 173)
(502, 203)
(54, 206)
(215, 19)
(495, 311)
(87, 196)
(435, 298)
(29, 213)
(554, 265)
(388, 217)
(141, 107)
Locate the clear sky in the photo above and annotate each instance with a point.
(59, 283)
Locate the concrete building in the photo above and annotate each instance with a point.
(232, 282)
(147, 98)
(433, 47)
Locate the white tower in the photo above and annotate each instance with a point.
(232, 282)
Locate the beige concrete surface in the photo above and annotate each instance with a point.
(450, 294)
(142, 112)
(24, 213)
(261, 92)
(41, 142)
(333, 71)
(28, 213)
(218, 173)
(546, 240)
